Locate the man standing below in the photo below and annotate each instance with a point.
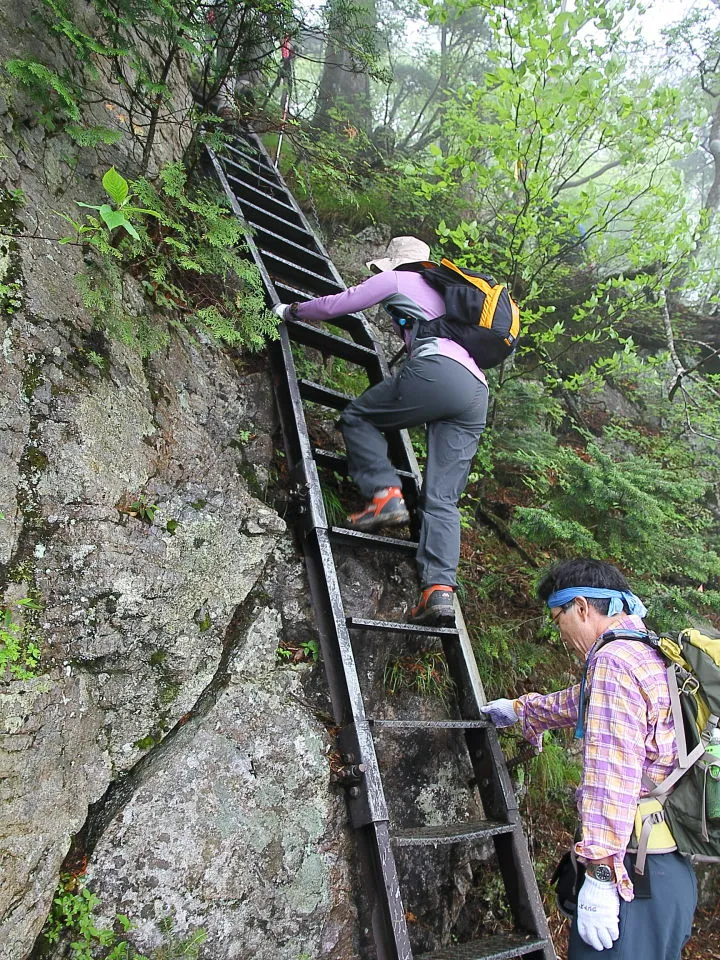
(622, 711)
(439, 385)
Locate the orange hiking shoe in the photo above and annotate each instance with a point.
(435, 607)
(387, 508)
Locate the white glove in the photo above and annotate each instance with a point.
(280, 309)
(598, 913)
(500, 712)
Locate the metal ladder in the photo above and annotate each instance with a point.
(294, 267)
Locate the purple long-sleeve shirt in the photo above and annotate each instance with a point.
(380, 287)
(629, 731)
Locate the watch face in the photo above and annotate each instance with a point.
(602, 872)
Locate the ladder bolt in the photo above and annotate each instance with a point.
(354, 791)
(350, 774)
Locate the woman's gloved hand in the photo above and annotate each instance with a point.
(282, 310)
(500, 712)
(598, 913)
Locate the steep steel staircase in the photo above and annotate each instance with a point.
(294, 267)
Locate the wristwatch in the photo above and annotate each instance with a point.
(601, 872)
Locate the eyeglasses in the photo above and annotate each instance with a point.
(556, 616)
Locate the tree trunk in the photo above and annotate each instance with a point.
(344, 92)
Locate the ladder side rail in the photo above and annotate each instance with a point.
(390, 915)
(524, 899)
(496, 790)
(513, 856)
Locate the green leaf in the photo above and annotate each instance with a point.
(112, 218)
(116, 186)
(115, 218)
(129, 228)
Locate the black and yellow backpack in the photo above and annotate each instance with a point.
(480, 314)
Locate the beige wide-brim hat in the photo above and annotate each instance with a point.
(402, 251)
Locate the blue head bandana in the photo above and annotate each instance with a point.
(616, 598)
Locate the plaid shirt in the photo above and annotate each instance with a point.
(628, 731)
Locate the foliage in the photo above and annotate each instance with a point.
(552, 771)
(334, 509)
(128, 55)
(19, 650)
(427, 674)
(300, 651)
(183, 246)
(634, 510)
(506, 656)
(57, 94)
(349, 183)
(142, 508)
(73, 921)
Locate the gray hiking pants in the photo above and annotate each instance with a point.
(441, 393)
(653, 928)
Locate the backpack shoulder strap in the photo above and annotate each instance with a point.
(686, 758)
(650, 639)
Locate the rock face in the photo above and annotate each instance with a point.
(159, 730)
(142, 625)
(231, 829)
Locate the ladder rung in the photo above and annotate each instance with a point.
(470, 831)
(291, 244)
(325, 396)
(390, 626)
(293, 267)
(328, 343)
(352, 322)
(359, 539)
(502, 946)
(430, 724)
(338, 461)
(274, 183)
(246, 186)
(297, 292)
(260, 213)
(239, 182)
(252, 157)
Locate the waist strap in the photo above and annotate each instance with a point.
(651, 833)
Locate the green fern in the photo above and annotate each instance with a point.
(41, 81)
(92, 136)
(185, 247)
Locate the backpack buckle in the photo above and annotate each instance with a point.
(690, 685)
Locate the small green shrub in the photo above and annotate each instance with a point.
(73, 922)
(185, 248)
(553, 770)
(19, 650)
(334, 508)
(505, 657)
(646, 517)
